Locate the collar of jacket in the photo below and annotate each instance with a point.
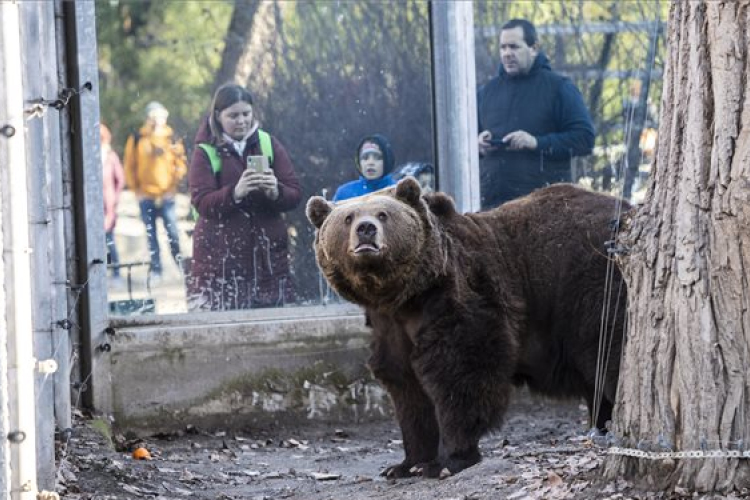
(227, 149)
(541, 63)
(376, 184)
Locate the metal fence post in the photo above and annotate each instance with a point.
(455, 110)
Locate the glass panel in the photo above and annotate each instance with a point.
(612, 52)
(322, 76)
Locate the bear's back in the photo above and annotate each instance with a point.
(555, 246)
(540, 247)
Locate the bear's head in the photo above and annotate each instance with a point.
(381, 249)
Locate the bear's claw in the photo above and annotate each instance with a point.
(399, 471)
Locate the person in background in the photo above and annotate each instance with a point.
(423, 172)
(374, 162)
(154, 164)
(532, 121)
(113, 181)
(240, 242)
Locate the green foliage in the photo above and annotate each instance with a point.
(348, 70)
(164, 51)
(102, 427)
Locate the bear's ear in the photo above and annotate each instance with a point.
(317, 210)
(409, 191)
(440, 204)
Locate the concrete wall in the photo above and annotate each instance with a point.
(232, 372)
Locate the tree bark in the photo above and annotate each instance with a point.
(237, 39)
(684, 377)
(256, 67)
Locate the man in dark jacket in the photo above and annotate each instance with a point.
(532, 121)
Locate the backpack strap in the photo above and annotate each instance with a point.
(266, 147)
(213, 156)
(215, 159)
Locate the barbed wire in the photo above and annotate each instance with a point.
(39, 107)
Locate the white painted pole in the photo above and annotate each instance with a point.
(17, 264)
(454, 87)
(4, 419)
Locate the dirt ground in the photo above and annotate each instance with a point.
(541, 453)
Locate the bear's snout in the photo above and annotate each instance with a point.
(366, 236)
(366, 231)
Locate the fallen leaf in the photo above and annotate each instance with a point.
(554, 480)
(176, 489)
(187, 476)
(324, 476)
(132, 489)
(518, 494)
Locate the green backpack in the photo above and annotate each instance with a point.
(266, 149)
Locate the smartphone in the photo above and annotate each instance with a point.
(498, 143)
(258, 163)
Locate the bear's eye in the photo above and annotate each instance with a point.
(348, 220)
(382, 216)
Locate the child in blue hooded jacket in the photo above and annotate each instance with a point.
(374, 162)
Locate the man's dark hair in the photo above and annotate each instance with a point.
(529, 31)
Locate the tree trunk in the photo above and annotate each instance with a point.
(684, 377)
(237, 39)
(256, 67)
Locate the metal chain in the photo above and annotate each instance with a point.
(660, 455)
(570, 449)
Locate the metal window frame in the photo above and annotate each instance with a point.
(456, 153)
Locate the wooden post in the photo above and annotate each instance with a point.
(19, 411)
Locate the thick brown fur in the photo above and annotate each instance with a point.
(464, 306)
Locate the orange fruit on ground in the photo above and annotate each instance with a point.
(141, 454)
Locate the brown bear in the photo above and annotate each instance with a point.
(462, 307)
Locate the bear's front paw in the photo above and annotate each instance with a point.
(441, 469)
(399, 471)
(434, 470)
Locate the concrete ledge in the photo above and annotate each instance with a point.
(234, 370)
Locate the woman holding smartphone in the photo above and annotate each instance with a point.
(240, 242)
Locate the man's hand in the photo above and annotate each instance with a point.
(520, 140)
(483, 141)
(252, 181)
